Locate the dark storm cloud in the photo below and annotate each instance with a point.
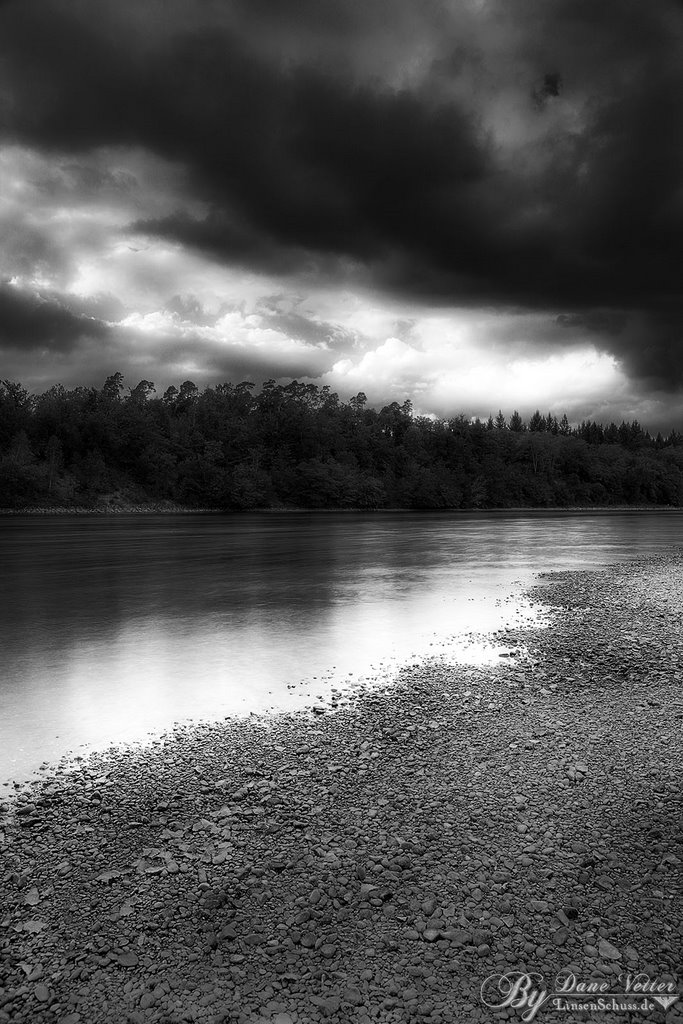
(310, 138)
(596, 321)
(545, 90)
(29, 321)
(302, 328)
(226, 237)
(651, 349)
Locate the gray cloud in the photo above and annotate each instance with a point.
(31, 321)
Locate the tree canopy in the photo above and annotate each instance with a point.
(236, 446)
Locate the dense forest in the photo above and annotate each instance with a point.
(298, 445)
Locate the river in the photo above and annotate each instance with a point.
(115, 627)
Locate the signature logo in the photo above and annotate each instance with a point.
(524, 992)
(528, 992)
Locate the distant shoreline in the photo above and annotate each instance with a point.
(141, 509)
(170, 509)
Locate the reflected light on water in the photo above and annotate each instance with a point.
(113, 628)
(149, 677)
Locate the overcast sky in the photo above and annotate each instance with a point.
(471, 203)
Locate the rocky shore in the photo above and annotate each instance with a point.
(377, 860)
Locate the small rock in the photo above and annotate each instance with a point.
(32, 927)
(458, 936)
(607, 951)
(32, 897)
(109, 876)
(330, 1004)
(41, 992)
(353, 996)
(128, 959)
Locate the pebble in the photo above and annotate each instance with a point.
(128, 959)
(607, 951)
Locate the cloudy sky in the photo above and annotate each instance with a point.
(472, 203)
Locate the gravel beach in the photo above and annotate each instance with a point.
(376, 861)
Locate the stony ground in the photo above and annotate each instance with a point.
(379, 862)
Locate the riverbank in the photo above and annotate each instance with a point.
(113, 508)
(378, 862)
(169, 507)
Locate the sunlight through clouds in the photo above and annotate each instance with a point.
(447, 378)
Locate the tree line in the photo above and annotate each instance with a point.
(234, 446)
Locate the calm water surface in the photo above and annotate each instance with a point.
(115, 626)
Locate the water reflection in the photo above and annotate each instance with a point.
(115, 626)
